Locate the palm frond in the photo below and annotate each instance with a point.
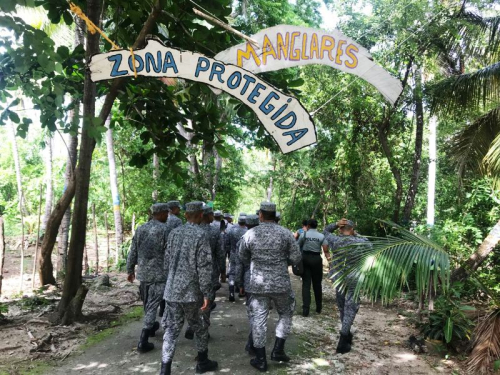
(489, 26)
(384, 265)
(473, 143)
(466, 91)
(486, 344)
(492, 158)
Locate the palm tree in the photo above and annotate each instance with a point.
(476, 148)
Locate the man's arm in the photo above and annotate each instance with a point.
(204, 265)
(168, 250)
(244, 251)
(132, 257)
(221, 256)
(330, 229)
(239, 267)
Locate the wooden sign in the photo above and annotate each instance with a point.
(287, 46)
(285, 119)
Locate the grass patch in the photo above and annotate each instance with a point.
(134, 314)
(27, 368)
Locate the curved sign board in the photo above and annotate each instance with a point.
(283, 116)
(286, 46)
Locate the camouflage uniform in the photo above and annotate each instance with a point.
(218, 255)
(347, 305)
(188, 263)
(269, 249)
(147, 251)
(231, 239)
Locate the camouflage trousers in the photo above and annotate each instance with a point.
(231, 274)
(151, 296)
(249, 313)
(259, 312)
(348, 308)
(172, 322)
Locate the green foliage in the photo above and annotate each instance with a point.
(448, 321)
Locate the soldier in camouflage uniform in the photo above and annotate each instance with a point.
(269, 249)
(242, 278)
(348, 306)
(218, 222)
(218, 261)
(174, 209)
(147, 251)
(231, 239)
(188, 265)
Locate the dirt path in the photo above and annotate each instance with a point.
(379, 346)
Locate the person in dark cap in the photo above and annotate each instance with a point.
(229, 221)
(278, 217)
(269, 249)
(147, 252)
(189, 287)
(174, 209)
(348, 306)
(218, 222)
(218, 261)
(242, 278)
(312, 244)
(231, 239)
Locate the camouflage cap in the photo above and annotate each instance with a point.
(227, 215)
(252, 220)
(194, 206)
(159, 207)
(268, 206)
(242, 218)
(172, 204)
(257, 212)
(217, 213)
(349, 223)
(207, 210)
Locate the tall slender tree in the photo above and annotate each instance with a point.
(49, 192)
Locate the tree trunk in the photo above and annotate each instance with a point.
(17, 164)
(384, 142)
(417, 159)
(133, 224)
(218, 167)
(476, 259)
(156, 172)
(2, 250)
(73, 280)
(35, 260)
(21, 271)
(193, 162)
(48, 183)
(431, 185)
(66, 220)
(107, 240)
(115, 194)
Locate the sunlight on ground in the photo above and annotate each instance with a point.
(405, 357)
(91, 365)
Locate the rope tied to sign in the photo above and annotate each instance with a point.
(92, 28)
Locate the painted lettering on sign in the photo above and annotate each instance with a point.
(282, 116)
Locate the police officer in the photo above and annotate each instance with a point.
(242, 278)
(188, 265)
(218, 261)
(348, 306)
(174, 209)
(311, 243)
(231, 239)
(147, 251)
(269, 249)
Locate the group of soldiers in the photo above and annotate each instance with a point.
(181, 266)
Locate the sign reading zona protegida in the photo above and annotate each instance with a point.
(283, 116)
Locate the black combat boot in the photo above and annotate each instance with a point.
(152, 331)
(189, 333)
(343, 346)
(260, 361)
(166, 368)
(319, 307)
(213, 306)
(205, 364)
(145, 346)
(278, 353)
(305, 311)
(249, 346)
(349, 338)
(231, 293)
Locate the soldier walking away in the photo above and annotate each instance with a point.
(218, 262)
(228, 218)
(269, 249)
(348, 306)
(242, 278)
(174, 209)
(188, 266)
(218, 222)
(231, 239)
(147, 251)
(311, 242)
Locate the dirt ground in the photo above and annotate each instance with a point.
(30, 344)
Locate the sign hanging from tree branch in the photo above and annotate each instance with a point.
(285, 119)
(286, 46)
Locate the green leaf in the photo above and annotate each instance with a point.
(448, 330)
(296, 83)
(496, 365)
(14, 117)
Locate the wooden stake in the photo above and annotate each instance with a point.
(37, 240)
(96, 247)
(107, 239)
(227, 27)
(2, 250)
